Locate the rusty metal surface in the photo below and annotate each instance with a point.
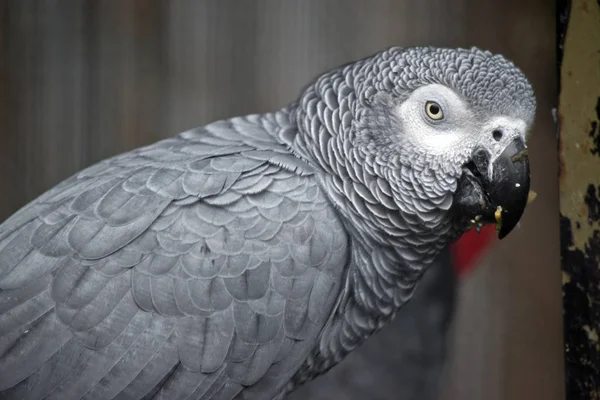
(579, 113)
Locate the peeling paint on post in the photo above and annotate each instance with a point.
(579, 116)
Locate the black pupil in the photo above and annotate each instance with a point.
(434, 109)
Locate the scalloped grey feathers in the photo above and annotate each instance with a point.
(190, 268)
(241, 259)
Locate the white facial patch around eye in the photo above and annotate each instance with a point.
(437, 137)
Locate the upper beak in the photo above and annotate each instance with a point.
(505, 184)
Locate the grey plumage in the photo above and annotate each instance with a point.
(406, 360)
(243, 258)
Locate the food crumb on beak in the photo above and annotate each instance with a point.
(476, 223)
(520, 155)
(498, 217)
(531, 197)
(498, 213)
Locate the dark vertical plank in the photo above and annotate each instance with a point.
(212, 61)
(149, 74)
(125, 58)
(8, 116)
(41, 67)
(16, 72)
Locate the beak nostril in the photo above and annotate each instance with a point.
(497, 134)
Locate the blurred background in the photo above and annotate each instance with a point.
(83, 80)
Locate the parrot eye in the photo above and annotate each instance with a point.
(434, 111)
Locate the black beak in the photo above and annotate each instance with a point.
(500, 196)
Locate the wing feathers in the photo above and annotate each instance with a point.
(21, 353)
(183, 269)
(154, 337)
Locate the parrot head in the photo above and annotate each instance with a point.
(431, 141)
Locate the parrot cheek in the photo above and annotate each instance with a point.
(497, 190)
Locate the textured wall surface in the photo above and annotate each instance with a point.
(579, 111)
(83, 80)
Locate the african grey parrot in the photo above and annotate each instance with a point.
(244, 258)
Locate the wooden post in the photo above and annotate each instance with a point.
(579, 116)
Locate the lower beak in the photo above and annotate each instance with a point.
(504, 184)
